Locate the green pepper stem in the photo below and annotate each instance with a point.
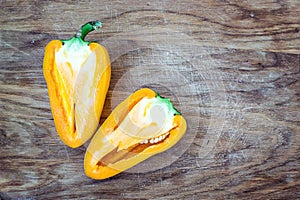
(86, 28)
(168, 103)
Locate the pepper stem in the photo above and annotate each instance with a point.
(86, 28)
(168, 103)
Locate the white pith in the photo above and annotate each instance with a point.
(75, 58)
(149, 121)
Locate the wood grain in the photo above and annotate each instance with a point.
(231, 67)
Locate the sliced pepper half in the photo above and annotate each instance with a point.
(143, 125)
(77, 73)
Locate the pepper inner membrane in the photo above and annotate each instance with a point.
(149, 118)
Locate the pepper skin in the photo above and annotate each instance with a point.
(77, 74)
(141, 126)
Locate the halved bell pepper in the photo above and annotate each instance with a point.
(143, 125)
(77, 73)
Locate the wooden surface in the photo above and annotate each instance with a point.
(231, 68)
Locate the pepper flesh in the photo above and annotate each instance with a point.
(114, 148)
(77, 74)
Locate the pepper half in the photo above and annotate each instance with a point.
(141, 126)
(77, 73)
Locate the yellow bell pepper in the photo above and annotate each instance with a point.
(143, 125)
(77, 73)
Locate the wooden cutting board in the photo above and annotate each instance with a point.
(230, 67)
